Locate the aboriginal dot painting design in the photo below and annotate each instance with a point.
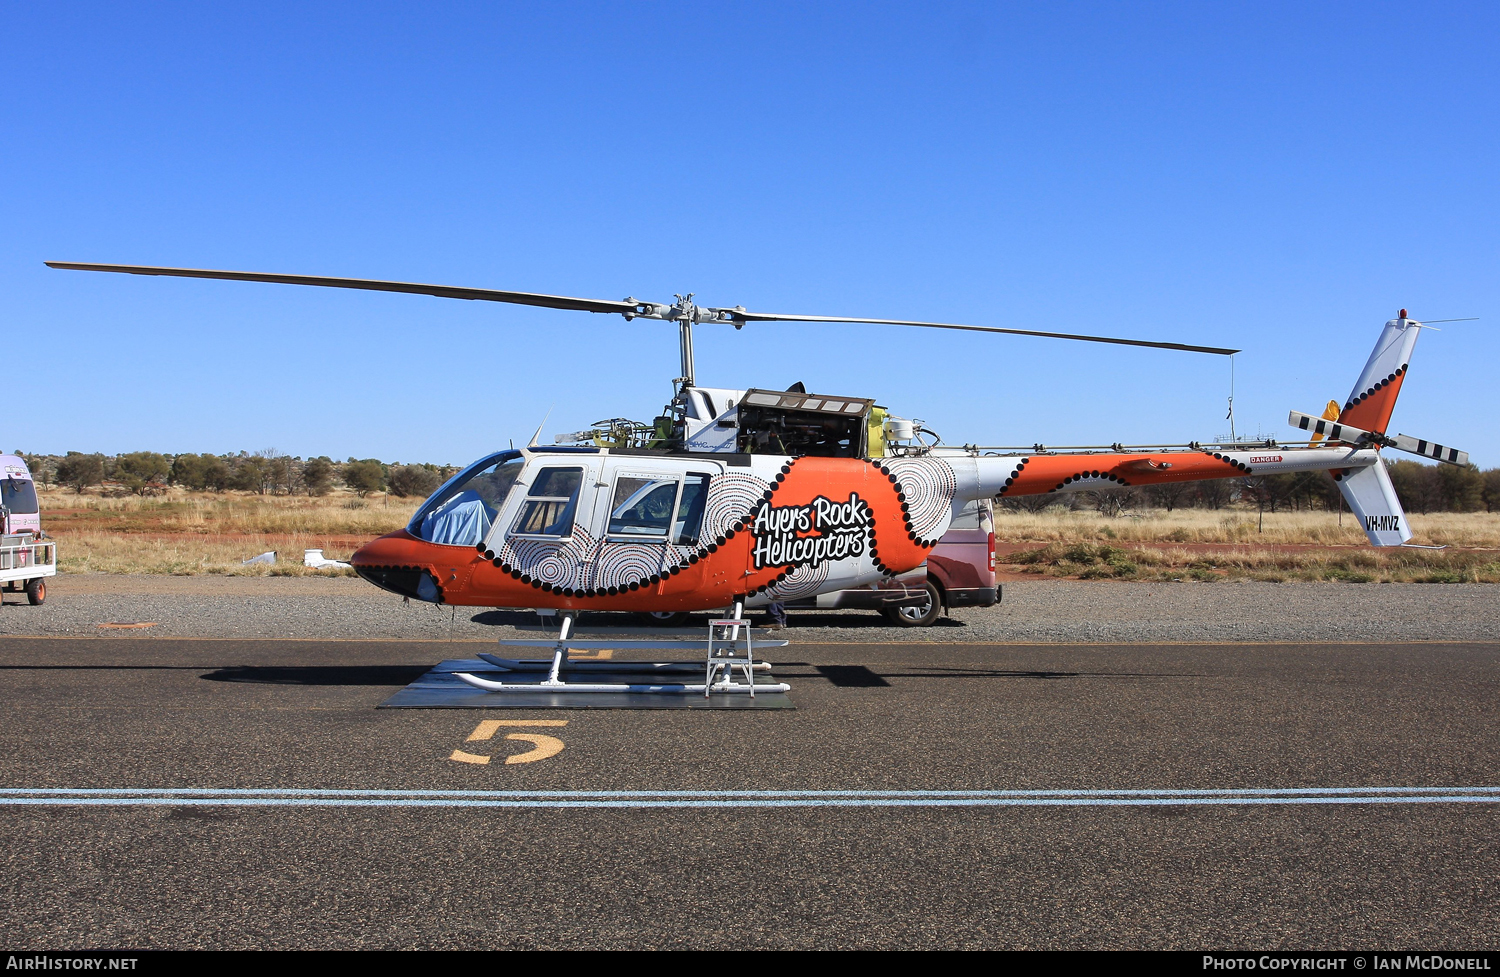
(550, 565)
(732, 497)
(1230, 461)
(584, 566)
(1015, 473)
(800, 582)
(1089, 480)
(588, 567)
(1376, 387)
(928, 486)
(618, 565)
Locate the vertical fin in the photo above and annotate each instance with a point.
(1372, 499)
(1374, 395)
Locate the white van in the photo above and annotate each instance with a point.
(27, 558)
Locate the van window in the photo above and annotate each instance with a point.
(642, 506)
(971, 516)
(18, 495)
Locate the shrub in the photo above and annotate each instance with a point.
(138, 469)
(317, 475)
(253, 473)
(78, 471)
(364, 476)
(418, 480)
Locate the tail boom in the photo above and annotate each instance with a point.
(1045, 473)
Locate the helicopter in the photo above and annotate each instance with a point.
(737, 498)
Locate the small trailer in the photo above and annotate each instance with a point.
(27, 556)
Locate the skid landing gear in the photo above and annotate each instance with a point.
(729, 665)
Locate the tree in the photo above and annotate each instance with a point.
(252, 473)
(42, 468)
(1418, 486)
(187, 471)
(1028, 503)
(139, 470)
(418, 480)
(216, 473)
(364, 476)
(1492, 490)
(1169, 495)
(1111, 502)
(1463, 487)
(1213, 493)
(285, 473)
(317, 475)
(78, 471)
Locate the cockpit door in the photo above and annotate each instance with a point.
(552, 502)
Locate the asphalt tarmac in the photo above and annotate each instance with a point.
(859, 858)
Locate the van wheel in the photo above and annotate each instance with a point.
(919, 615)
(665, 619)
(36, 590)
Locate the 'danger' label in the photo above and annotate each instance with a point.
(814, 533)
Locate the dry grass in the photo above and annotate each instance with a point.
(340, 514)
(203, 533)
(1199, 545)
(1091, 561)
(186, 555)
(195, 533)
(1470, 529)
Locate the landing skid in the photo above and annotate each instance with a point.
(727, 655)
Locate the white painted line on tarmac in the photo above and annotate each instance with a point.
(1133, 797)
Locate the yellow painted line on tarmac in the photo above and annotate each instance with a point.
(463, 757)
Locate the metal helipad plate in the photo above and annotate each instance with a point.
(441, 689)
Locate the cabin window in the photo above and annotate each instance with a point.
(642, 506)
(551, 504)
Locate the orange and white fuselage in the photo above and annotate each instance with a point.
(768, 527)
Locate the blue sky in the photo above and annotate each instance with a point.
(1274, 177)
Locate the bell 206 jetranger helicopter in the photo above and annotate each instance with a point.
(741, 497)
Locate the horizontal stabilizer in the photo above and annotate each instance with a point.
(1429, 449)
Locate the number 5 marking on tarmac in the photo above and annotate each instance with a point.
(541, 746)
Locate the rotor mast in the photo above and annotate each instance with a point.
(685, 313)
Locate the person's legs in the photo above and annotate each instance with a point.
(777, 610)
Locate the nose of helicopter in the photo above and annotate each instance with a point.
(398, 562)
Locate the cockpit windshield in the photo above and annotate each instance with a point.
(462, 511)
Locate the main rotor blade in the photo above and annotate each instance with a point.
(740, 316)
(441, 291)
